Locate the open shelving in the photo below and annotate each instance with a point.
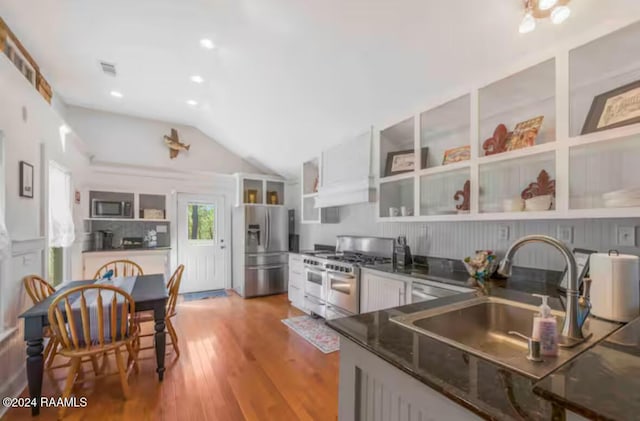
(586, 167)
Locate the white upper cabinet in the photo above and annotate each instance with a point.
(346, 173)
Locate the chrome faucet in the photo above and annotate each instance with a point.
(577, 307)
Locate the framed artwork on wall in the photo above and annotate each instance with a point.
(616, 108)
(26, 180)
(404, 161)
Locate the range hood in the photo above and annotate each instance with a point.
(346, 173)
(346, 193)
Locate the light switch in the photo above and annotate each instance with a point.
(503, 233)
(626, 236)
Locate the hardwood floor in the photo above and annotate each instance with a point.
(238, 361)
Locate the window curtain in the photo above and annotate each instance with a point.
(61, 228)
(4, 236)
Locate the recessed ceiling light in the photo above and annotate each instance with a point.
(197, 79)
(546, 4)
(560, 14)
(192, 102)
(207, 43)
(116, 94)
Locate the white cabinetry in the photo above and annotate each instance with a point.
(257, 189)
(151, 261)
(296, 281)
(372, 389)
(379, 293)
(469, 166)
(311, 181)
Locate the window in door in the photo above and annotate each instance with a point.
(201, 222)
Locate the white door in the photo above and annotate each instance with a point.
(380, 293)
(201, 243)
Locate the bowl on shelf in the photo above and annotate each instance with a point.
(513, 205)
(539, 203)
(622, 198)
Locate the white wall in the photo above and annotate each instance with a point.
(138, 141)
(169, 183)
(31, 132)
(460, 239)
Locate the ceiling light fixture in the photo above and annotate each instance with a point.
(192, 102)
(197, 79)
(116, 94)
(560, 14)
(527, 24)
(546, 4)
(556, 10)
(207, 43)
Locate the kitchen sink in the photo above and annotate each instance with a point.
(480, 327)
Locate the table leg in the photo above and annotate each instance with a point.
(160, 340)
(35, 369)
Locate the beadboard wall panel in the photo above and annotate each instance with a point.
(460, 239)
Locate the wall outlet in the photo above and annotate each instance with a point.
(503, 233)
(626, 236)
(565, 233)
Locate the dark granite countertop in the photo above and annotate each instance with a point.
(494, 392)
(488, 389)
(533, 281)
(128, 249)
(602, 383)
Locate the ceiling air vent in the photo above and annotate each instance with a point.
(108, 68)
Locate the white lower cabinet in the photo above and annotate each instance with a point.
(379, 293)
(296, 281)
(151, 261)
(371, 389)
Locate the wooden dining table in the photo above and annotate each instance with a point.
(149, 293)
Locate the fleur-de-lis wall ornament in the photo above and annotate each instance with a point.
(497, 143)
(463, 194)
(544, 185)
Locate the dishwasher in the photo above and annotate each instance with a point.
(427, 290)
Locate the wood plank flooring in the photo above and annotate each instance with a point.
(238, 361)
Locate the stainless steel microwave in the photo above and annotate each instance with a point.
(111, 209)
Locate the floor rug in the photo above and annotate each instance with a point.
(201, 295)
(315, 332)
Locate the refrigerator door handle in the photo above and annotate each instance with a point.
(268, 228)
(266, 267)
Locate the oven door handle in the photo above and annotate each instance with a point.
(344, 287)
(339, 275)
(319, 272)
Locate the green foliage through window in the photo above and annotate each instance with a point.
(201, 221)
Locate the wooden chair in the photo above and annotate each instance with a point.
(39, 289)
(113, 332)
(120, 267)
(174, 287)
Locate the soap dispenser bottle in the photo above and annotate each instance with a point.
(545, 329)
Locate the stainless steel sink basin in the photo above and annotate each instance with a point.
(480, 326)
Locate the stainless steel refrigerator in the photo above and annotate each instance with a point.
(260, 250)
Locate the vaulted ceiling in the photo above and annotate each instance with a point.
(288, 78)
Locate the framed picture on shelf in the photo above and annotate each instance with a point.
(404, 161)
(616, 108)
(26, 180)
(524, 134)
(462, 153)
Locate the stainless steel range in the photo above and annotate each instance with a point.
(332, 281)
